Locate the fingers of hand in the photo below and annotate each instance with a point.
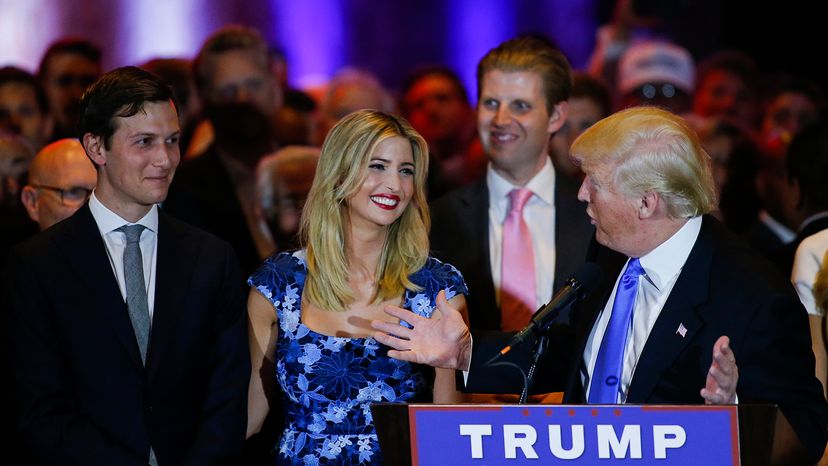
(402, 355)
(441, 298)
(710, 397)
(392, 341)
(403, 314)
(390, 328)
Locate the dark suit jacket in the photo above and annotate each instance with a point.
(83, 395)
(202, 194)
(460, 236)
(724, 288)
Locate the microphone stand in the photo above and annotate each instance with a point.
(541, 345)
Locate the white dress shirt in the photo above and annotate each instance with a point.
(539, 214)
(808, 261)
(662, 266)
(115, 241)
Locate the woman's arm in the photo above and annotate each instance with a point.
(445, 389)
(263, 332)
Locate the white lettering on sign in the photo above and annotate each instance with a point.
(556, 442)
(665, 437)
(524, 436)
(476, 433)
(630, 441)
(521, 436)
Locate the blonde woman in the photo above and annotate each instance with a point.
(819, 324)
(810, 278)
(364, 237)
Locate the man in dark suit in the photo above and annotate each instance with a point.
(523, 87)
(126, 327)
(692, 301)
(215, 190)
(807, 170)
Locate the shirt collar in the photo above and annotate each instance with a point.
(109, 221)
(664, 262)
(542, 184)
(811, 219)
(785, 234)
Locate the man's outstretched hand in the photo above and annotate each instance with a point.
(722, 376)
(442, 341)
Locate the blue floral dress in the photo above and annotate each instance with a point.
(329, 382)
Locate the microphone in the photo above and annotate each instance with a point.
(575, 289)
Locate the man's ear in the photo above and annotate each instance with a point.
(29, 198)
(557, 117)
(648, 204)
(94, 147)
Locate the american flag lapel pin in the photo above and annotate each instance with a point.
(681, 330)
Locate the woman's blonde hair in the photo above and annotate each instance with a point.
(340, 173)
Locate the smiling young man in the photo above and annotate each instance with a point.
(523, 87)
(127, 328)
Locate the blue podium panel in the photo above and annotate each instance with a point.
(480, 435)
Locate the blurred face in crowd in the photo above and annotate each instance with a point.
(19, 113)
(658, 94)
(137, 167)
(237, 76)
(290, 190)
(514, 123)
(723, 93)
(15, 156)
(436, 109)
(785, 117)
(67, 77)
(61, 178)
(583, 113)
(342, 101)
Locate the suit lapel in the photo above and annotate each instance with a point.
(476, 203)
(174, 269)
(571, 229)
(679, 321)
(86, 252)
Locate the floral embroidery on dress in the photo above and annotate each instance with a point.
(329, 383)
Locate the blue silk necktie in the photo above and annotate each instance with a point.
(606, 377)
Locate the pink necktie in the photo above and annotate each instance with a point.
(517, 273)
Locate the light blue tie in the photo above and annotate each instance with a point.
(606, 377)
(136, 289)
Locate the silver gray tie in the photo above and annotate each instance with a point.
(136, 289)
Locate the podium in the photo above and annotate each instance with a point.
(585, 434)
